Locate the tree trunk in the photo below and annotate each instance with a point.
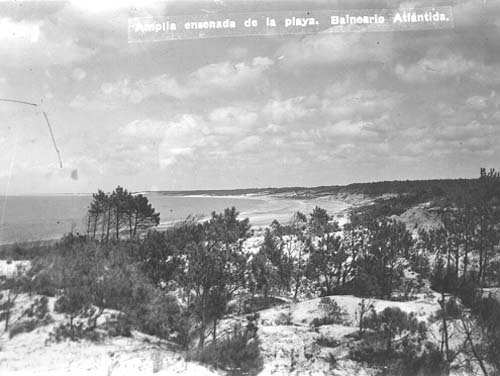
(109, 225)
(88, 224)
(214, 337)
(135, 223)
(117, 224)
(297, 285)
(445, 341)
(103, 227)
(7, 313)
(203, 324)
(473, 347)
(95, 226)
(130, 226)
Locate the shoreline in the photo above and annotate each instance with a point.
(272, 207)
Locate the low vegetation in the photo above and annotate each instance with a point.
(192, 283)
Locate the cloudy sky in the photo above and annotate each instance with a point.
(247, 111)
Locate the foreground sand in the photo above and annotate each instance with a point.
(287, 349)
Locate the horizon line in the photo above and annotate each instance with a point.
(180, 191)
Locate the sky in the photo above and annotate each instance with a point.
(241, 112)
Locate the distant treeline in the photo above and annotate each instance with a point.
(434, 187)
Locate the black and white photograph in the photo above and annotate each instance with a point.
(250, 188)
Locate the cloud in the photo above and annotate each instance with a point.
(228, 76)
(291, 109)
(211, 79)
(181, 138)
(232, 120)
(477, 102)
(321, 49)
(161, 143)
(78, 74)
(345, 128)
(248, 144)
(237, 53)
(37, 43)
(187, 137)
(451, 66)
(462, 132)
(360, 104)
(428, 68)
(143, 129)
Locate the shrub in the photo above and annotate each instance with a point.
(363, 351)
(4, 307)
(23, 327)
(407, 290)
(184, 328)
(442, 278)
(239, 353)
(487, 311)
(429, 362)
(39, 309)
(44, 284)
(159, 316)
(365, 286)
(73, 302)
(118, 325)
(414, 357)
(73, 332)
(467, 290)
(331, 309)
(284, 318)
(331, 312)
(393, 321)
(419, 263)
(452, 308)
(325, 341)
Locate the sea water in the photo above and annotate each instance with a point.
(32, 218)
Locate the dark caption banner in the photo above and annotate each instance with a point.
(166, 28)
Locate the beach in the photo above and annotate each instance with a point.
(35, 218)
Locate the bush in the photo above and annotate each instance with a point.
(365, 286)
(74, 333)
(44, 284)
(38, 314)
(452, 308)
(239, 353)
(284, 318)
(118, 325)
(467, 290)
(487, 312)
(407, 290)
(364, 352)
(443, 279)
(391, 322)
(160, 316)
(419, 263)
(413, 358)
(4, 308)
(331, 312)
(23, 327)
(39, 309)
(325, 341)
(73, 303)
(429, 362)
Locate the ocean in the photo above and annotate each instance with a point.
(32, 218)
